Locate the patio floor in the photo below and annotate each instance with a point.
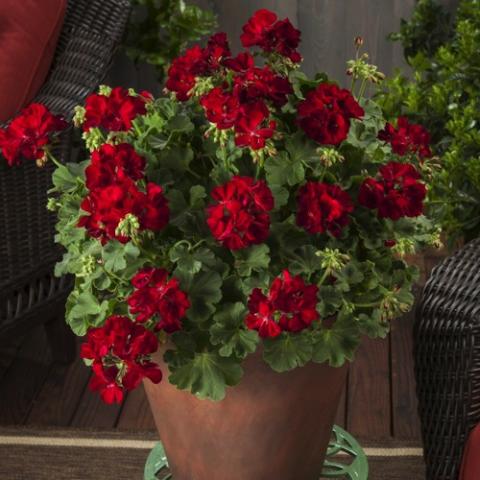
(378, 401)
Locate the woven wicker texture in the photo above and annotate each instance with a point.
(447, 360)
(90, 35)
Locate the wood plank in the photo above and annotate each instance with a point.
(92, 412)
(136, 414)
(405, 421)
(369, 403)
(25, 377)
(60, 395)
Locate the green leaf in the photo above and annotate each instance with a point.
(197, 196)
(203, 290)
(288, 351)
(85, 304)
(176, 158)
(337, 344)
(66, 177)
(304, 261)
(229, 331)
(250, 259)
(282, 170)
(180, 123)
(373, 325)
(114, 256)
(207, 375)
(280, 195)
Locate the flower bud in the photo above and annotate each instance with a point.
(358, 42)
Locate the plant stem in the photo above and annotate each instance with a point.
(53, 159)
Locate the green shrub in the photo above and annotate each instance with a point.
(160, 30)
(444, 95)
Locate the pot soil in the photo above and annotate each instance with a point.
(270, 426)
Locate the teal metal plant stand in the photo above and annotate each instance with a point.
(345, 459)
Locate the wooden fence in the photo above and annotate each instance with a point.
(328, 29)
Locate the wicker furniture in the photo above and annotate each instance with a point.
(29, 293)
(447, 360)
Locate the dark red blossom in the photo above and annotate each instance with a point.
(221, 107)
(242, 62)
(156, 295)
(322, 207)
(108, 206)
(116, 111)
(239, 217)
(397, 193)
(263, 30)
(289, 306)
(109, 160)
(120, 352)
(326, 112)
(254, 83)
(253, 127)
(196, 62)
(28, 135)
(407, 138)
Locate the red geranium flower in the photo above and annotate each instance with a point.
(263, 30)
(251, 129)
(196, 62)
(407, 138)
(397, 194)
(221, 107)
(120, 351)
(325, 113)
(156, 294)
(116, 111)
(322, 207)
(289, 306)
(240, 218)
(216, 51)
(29, 133)
(109, 205)
(254, 83)
(109, 160)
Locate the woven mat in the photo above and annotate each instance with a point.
(28, 454)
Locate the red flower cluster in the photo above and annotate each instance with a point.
(196, 62)
(326, 112)
(244, 106)
(156, 294)
(114, 112)
(111, 178)
(240, 218)
(272, 35)
(397, 194)
(29, 133)
(407, 138)
(244, 92)
(289, 306)
(322, 207)
(120, 351)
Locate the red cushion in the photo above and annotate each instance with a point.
(29, 31)
(471, 457)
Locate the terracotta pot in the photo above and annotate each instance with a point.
(270, 426)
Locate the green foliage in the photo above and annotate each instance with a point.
(160, 29)
(230, 334)
(444, 96)
(207, 375)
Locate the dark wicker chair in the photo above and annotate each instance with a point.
(447, 360)
(29, 293)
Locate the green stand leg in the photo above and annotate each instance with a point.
(345, 459)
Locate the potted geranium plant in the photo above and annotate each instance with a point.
(244, 231)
